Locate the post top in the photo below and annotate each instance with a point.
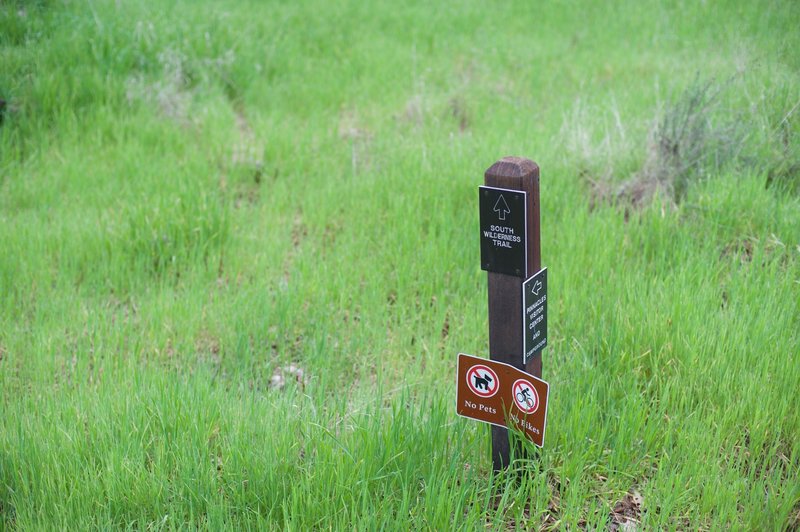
(512, 167)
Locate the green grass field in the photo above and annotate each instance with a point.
(239, 255)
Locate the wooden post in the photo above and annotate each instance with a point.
(505, 291)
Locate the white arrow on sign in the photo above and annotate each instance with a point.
(501, 207)
(536, 287)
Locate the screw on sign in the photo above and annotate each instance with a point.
(525, 396)
(482, 381)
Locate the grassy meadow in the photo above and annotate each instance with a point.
(239, 255)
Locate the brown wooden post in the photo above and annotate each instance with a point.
(505, 291)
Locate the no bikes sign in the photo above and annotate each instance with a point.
(525, 396)
(500, 394)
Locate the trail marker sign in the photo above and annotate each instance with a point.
(517, 180)
(517, 399)
(534, 314)
(504, 240)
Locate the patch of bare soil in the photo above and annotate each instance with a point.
(550, 519)
(793, 524)
(626, 515)
(286, 374)
(459, 112)
(741, 249)
(360, 138)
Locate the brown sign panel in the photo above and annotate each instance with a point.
(502, 395)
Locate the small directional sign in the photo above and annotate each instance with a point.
(503, 231)
(500, 394)
(534, 314)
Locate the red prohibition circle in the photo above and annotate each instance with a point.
(525, 396)
(482, 381)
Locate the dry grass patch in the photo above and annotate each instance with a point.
(687, 142)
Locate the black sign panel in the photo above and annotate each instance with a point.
(534, 314)
(503, 231)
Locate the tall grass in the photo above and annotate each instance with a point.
(196, 197)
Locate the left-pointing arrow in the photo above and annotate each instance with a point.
(536, 287)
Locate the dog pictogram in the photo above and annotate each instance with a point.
(482, 380)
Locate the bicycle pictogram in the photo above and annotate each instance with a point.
(525, 396)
